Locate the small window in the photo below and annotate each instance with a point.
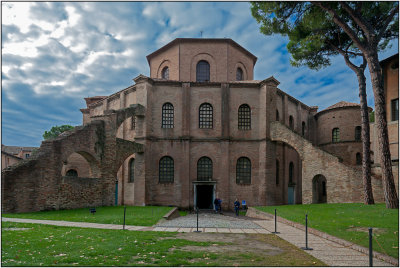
(357, 133)
(203, 71)
(395, 109)
(277, 115)
(132, 170)
(204, 169)
(358, 159)
(277, 172)
(303, 129)
(27, 155)
(291, 170)
(335, 135)
(243, 171)
(167, 115)
(166, 169)
(206, 116)
(72, 173)
(165, 73)
(291, 123)
(244, 117)
(239, 74)
(133, 122)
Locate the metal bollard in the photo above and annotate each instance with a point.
(197, 210)
(306, 247)
(124, 216)
(370, 247)
(275, 225)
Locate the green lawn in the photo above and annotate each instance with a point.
(141, 216)
(45, 245)
(349, 222)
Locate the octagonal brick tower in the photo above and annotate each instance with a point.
(178, 60)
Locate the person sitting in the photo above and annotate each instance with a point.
(237, 207)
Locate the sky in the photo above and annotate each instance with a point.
(54, 54)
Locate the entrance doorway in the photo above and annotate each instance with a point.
(204, 196)
(319, 189)
(291, 195)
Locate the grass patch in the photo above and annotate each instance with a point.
(45, 245)
(141, 216)
(349, 222)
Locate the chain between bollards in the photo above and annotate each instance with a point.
(124, 216)
(197, 210)
(306, 247)
(370, 247)
(275, 225)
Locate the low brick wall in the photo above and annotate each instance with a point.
(264, 215)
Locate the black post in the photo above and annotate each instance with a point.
(124, 216)
(306, 248)
(197, 210)
(275, 225)
(370, 247)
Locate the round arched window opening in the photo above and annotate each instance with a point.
(203, 71)
(72, 173)
(239, 74)
(165, 73)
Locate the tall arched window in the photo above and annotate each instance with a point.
(165, 73)
(239, 74)
(277, 115)
(243, 171)
(244, 117)
(291, 122)
(206, 116)
(335, 135)
(357, 133)
(204, 169)
(303, 129)
(203, 71)
(166, 169)
(131, 170)
(358, 159)
(277, 172)
(291, 170)
(72, 173)
(167, 116)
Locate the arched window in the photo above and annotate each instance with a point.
(277, 172)
(277, 115)
(358, 159)
(303, 129)
(131, 170)
(204, 169)
(291, 170)
(357, 133)
(291, 123)
(206, 116)
(72, 173)
(165, 73)
(335, 135)
(244, 117)
(133, 122)
(167, 115)
(239, 74)
(243, 171)
(166, 169)
(203, 71)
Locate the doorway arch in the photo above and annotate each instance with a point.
(319, 189)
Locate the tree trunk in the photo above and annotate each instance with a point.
(389, 188)
(365, 137)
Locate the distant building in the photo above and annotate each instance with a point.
(11, 155)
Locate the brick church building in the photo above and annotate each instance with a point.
(200, 127)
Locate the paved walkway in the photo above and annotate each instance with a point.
(333, 254)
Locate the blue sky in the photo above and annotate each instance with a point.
(55, 54)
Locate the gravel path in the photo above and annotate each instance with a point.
(211, 220)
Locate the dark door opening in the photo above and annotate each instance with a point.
(204, 196)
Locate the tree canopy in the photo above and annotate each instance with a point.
(56, 131)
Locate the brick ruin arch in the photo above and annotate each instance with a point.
(36, 184)
(345, 182)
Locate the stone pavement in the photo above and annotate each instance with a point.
(333, 254)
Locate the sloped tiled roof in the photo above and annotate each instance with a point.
(16, 149)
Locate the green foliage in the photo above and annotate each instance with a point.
(372, 116)
(55, 131)
(349, 222)
(141, 216)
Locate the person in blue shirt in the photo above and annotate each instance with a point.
(237, 207)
